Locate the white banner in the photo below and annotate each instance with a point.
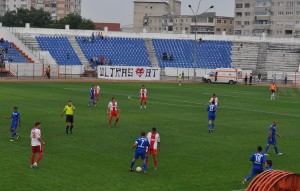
(128, 73)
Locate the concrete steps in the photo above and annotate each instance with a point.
(151, 52)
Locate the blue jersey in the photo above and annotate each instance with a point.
(15, 117)
(258, 160)
(142, 144)
(211, 110)
(273, 129)
(92, 95)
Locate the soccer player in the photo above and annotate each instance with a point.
(112, 110)
(212, 109)
(272, 138)
(15, 121)
(154, 140)
(92, 96)
(96, 93)
(69, 111)
(140, 144)
(273, 89)
(36, 145)
(179, 79)
(258, 159)
(215, 99)
(143, 99)
(268, 165)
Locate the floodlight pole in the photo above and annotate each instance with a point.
(195, 40)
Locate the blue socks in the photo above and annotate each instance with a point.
(132, 163)
(144, 166)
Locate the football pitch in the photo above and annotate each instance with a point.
(98, 158)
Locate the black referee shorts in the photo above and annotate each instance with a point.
(69, 118)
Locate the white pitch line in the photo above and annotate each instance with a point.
(197, 104)
(228, 107)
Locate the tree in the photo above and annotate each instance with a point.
(75, 22)
(36, 18)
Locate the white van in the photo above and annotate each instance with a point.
(224, 75)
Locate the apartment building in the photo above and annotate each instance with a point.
(165, 17)
(57, 8)
(274, 18)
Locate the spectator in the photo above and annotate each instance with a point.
(68, 55)
(165, 56)
(171, 57)
(101, 36)
(250, 78)
(110, 62)
(48, 70)
(102, 60)
(246, 78)
(10, 59)
(200, 40)
(2, 40)
(259, 77)
(182, 75)
(241, 45)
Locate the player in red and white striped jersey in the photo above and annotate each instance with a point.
(112, 110)
(36, 145)
(214, 98)
(154, 140)
(143, 99)
(97, 93)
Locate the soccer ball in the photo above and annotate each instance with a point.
(138, 169)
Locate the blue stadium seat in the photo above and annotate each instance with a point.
(121, 51)
(60, 49)
(209, 54)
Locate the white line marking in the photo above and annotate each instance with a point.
(193, 104)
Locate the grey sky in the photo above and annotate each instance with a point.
(121, 11)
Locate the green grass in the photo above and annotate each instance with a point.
(97, 158)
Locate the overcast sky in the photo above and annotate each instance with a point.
(121, 11)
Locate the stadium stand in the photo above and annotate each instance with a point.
(60, 49)
(14, 54)
(121, 51)
(210, 54)
(245, 56)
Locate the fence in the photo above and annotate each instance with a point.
(21, 70)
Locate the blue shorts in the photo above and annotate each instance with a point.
(13, 126)
(212, 117)
(273, 142)
(138, 154)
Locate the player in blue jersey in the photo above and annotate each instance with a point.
(268, 165)
(15, 121)
(140, 144)
(258, 159)
(92, 96)
(212, 109)
(272, 138)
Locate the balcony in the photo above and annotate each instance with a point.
(262, 4)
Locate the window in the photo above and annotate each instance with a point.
(239, 6)
(231, 22)
(289, 13)
(247, 5)
(262, 4)
(288, 32)
(239, 14)
(280, 4)
(218, 29)
(219, 21)
(224, 30)
(280, 13)
(238, 22)
(246, 22)
(225, 21)
(238, 32)
(297, 22)
(247, 14)
(298, 3)
(210, 20)
(290, 4)
(297, 12)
